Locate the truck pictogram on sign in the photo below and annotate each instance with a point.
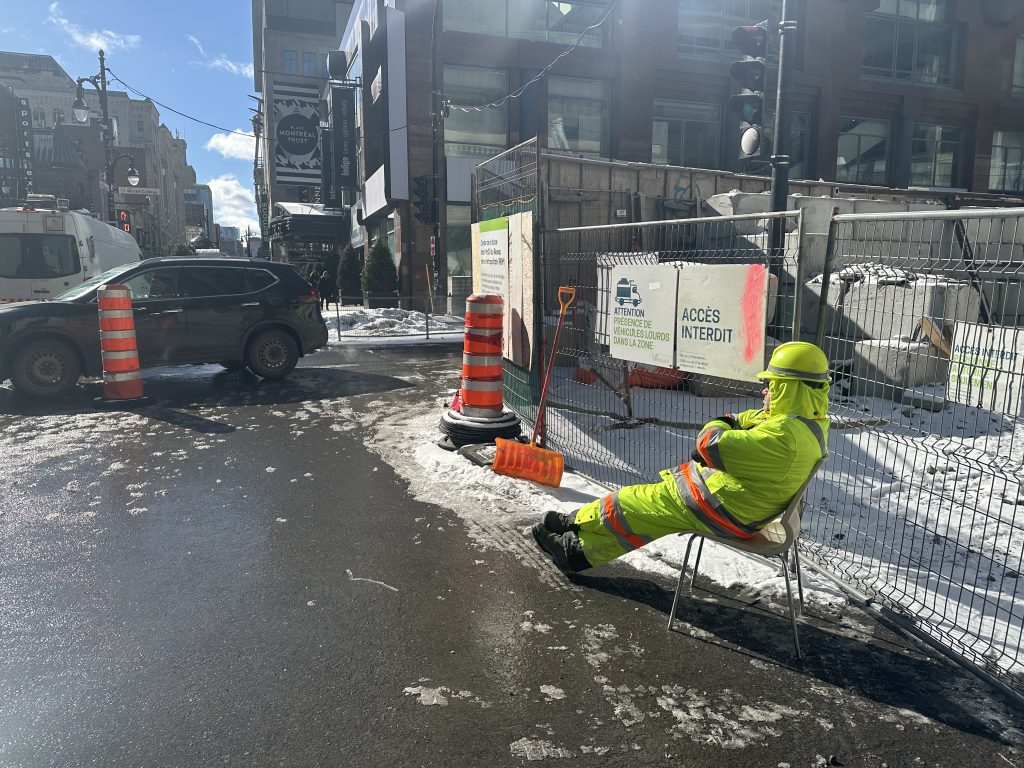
(626, 293)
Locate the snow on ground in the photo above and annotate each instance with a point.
(350, 323)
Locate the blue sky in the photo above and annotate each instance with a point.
(192, 55)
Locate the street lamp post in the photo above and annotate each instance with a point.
(80, 111)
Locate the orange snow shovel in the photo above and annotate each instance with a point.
(528, 460)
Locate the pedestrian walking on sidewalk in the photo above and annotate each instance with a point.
(328, 289)
(742, 474)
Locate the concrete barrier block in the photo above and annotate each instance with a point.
(888, 367)
(890, 311)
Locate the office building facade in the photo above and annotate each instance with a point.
(903, 93)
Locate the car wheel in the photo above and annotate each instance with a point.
(272, 354)
(45, 369)
(233, 365)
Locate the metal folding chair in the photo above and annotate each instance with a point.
(776, 539)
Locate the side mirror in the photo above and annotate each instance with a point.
(92, 248)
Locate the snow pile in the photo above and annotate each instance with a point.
(389, 322)
(878, 274)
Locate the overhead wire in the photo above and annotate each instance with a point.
(235, 131)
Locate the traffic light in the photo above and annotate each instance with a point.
(752, 41)
(423, 198)
(124, 220)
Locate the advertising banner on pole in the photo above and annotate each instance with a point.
(986, 367)
(641, 310)
(296, 134)
(490, 257)
(721, 319)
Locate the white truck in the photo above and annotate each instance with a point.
(46, 249)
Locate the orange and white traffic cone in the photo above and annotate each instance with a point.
(122, 378)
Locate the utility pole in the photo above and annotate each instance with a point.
(435, 123)
(80, 112)
(780, 155)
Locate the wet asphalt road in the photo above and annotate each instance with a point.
(232, 577)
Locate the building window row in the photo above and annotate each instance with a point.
(579, 113)
(313, 64)
(705, 26)
(547, 21)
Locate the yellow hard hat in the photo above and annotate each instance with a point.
(797, 360)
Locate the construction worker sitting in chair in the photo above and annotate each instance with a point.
(742, 474)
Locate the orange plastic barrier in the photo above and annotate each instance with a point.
(122, 379)
(481, 357)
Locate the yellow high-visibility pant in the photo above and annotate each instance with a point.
(649, 511)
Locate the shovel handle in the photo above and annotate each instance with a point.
(566, 296)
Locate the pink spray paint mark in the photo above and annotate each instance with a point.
(753, 311)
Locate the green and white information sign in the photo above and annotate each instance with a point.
(494, 257)
(986, 367)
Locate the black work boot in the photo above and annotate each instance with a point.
(574, 552)
(551, 543)
(558, 522)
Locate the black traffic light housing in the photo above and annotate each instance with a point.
(749, 74)
(124, 220)
(423, 198)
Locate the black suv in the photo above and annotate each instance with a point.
(237, 312)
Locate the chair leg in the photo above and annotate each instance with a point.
(696, 563)
(792, 612)
(679, 584)
(799, 577)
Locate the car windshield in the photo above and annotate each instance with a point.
(82, 289)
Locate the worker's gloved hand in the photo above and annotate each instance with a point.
(695, 455)
(730, 420)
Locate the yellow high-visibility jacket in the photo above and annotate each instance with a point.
(751, 466)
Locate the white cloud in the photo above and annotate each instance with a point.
(234, 67)
(92, 39)
(233, 145)
(233, 204)
(220, 61)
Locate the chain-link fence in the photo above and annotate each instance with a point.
(920, 315)
(920, 505)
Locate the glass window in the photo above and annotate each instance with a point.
(862, 156)
(578, 115)
(905, 40)
(291, 62)
(484, 17)
(214, 281)
(559, 22)
(935, 156)
(1018, 68)
(140, 126)
(309, 64)
(11, 252)
(156, 284)
(458, 240)
(686, 133)
(1007, 170)
(475, 134)
(38, 257)
(705, 26)
(259, 279)
(58, 256)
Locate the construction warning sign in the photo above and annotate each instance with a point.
(986, 367)
(641, 313)
(720, 319)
